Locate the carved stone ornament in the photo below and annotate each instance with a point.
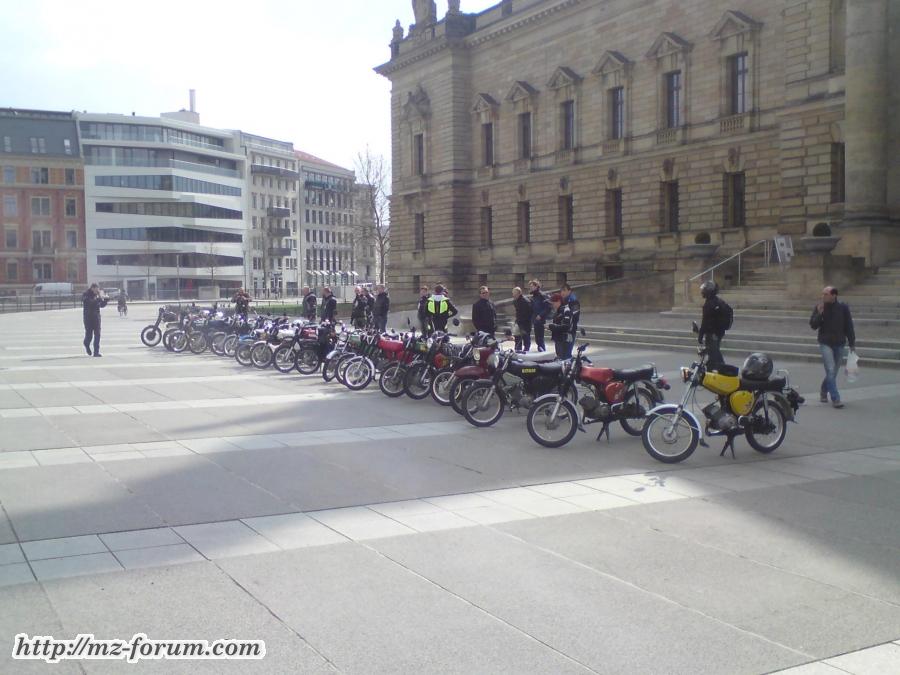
(485, 197)
(452, 6)
(425, 12)
(564, 184)
(398, 32)
(521, 190)
(418, 103)
(611, 176)
(734, 159)
(668, 167)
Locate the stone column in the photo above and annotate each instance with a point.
(867, 120)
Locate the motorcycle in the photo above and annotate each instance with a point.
(151, 335)
(759, 407)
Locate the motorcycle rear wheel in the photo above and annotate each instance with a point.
(482, 404)
(179, 341)
(391, 381)
(775, 436)
(284, 359)
(151, 336)
(458, 392)
(340, 370)
(552, 433)
(229, 346)
(670, 437)
(242, 354)
(261, 355)
(634, 425)
(441, 386)
(216, 343)
(417, 383)
(308, 361)
(197, 343)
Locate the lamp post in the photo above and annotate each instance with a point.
(178, 275)
(118, 280)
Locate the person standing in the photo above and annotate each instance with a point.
(438, 310)
(309, 304)
(540, 312)
(571, 300)
(422, 309)
(834, 324)
(561, 327)
(522, 330)
(359, 308)
(381, 308)
(484, 314)
(328, 309)
(92, 301)
(241, 302)
(712, 324)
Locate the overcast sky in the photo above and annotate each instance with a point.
(295, 70)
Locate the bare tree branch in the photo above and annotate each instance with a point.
(373, 228)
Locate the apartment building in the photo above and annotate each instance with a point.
(42, 208)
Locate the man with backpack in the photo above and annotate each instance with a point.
(717, 318)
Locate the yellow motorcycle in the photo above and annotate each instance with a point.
(748, 401)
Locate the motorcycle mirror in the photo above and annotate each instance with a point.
(695, 327)
(455, 322)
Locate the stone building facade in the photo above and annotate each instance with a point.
(582, 140)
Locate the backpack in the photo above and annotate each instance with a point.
(725, 316)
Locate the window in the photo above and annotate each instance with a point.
(614, 213)
(72, 272)
(419, 155)
(669, 206)
(837, 173)
(71, 207)
(67, 146)
(566, 218)
(487, 143)
(838, 35)
(40, 239)
(12, 271)
(40, 206)
(34, 144)
(420, 232)
(525, 135)
(9, 175)
(524, 222)
(40, 176)
(567, 124)
(7, 144)
(673, 99)
(43, 272)
(70, 176)
(734, 200)
(42, 146)
(487, 226)
(12, 239)
(737, 84)
(617, 112)
(10, 205)
(71, 239)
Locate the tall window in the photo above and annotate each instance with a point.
(487, 143)
(487, 226)
(673, 99)
(837, 51)
(524, 222)
(9, 175)
(7, 144)
(567, 123)
(419, 154)
(737, 84)
(614, 213)
(566, 218)
(735, 214)
(837, 173)
(70, 176)
(10, 205)
(669, 205)
(72, 271)
(40, 239)
(71, 208)
(12, 238)
(71, 239)
(12, 271)
(40, 176)
(43, 272)
(525, 135)
(420, 232)
(617, 112)
(40, 206)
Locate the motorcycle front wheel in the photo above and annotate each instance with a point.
(217, 342)
(359, 374)
(197, 343)
(261, 355)
(284, 359)
(308, 361)
(441, 386)
(229, 346)
(391, 381)
(762, 435)
(670, 436)
(550, 431)
(458, 392)
(151, 336)
(179, 341)
(242, 354)
(341, 368)
(167, 338)
(482, 404)
(417, 383)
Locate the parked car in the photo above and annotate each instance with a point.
(54, 288)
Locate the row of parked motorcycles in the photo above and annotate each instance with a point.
(480, 379)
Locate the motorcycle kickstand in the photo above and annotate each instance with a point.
(604, 430)
(729, 443)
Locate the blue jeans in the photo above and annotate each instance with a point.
(831, 358)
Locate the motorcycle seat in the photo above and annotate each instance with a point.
(775, 384)
(633, 374)
(536, 357)
(551, 368)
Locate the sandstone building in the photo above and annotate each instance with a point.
(582, 140)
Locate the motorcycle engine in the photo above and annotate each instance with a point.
(719, 419)
(593, 408)
(517, 395)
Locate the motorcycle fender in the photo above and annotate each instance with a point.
(671, 407)
(501, 392)
(469, 372)
(333, 353)
(545, 397)
(782, 402)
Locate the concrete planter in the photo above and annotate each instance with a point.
(818, 244)
(699, 250)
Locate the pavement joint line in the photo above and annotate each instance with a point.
(797, 668)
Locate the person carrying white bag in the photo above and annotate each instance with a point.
(834, 324)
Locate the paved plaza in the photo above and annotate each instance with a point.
(187, 497)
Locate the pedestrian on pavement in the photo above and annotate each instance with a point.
(522, 329)
(381, 308)
(309, 304)
(328, 310)
(422, 308)
(562, 327)
(241, 302)
(359, 309)
(438, 310)
(834, 323)
(484, 314)
(713, 324)
(93, 300)
(540, 312)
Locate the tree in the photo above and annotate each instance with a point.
(373, 225)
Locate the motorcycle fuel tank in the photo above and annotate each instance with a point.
(721, 384)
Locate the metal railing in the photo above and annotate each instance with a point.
(765, 243)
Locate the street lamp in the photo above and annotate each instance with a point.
(118, 280)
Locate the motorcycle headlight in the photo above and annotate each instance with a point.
(686, 374)
(493, 360)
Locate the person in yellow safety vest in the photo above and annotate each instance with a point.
(438, 310)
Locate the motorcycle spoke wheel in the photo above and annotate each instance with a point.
(197, 343)
(550, 431)
(482, 405)
(441, 386)
(284, 359)
(391, 381)
(179, 342)
(766, 436)
(670, 437)
(308, 361)
(229, 346)
(242, 355)
(151, 336)
(261, 356)
(417, 384)
(359, 374)
(634, 423)
(458, 393)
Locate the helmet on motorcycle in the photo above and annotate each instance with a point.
(758, 366)
(709, 288)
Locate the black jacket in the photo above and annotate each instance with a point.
(329, 308)
(360, 307)
(422, 310)
(382, 304)
(92, 303)
(562, 328)
(835, 325)
(523, 311)
(484, 316)
(709, 324)
(540, 306)
(437, 317)
(309, 305)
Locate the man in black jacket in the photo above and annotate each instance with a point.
(563, 326)
(422, 309)
(309, 304)
(523, 320)
(360, 308)
(329, 305)
(711, 331)
(92, 301)
(381, 308)
(484, 316)
(540, 312)
(835, 326)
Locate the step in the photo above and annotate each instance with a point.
(780, 314)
